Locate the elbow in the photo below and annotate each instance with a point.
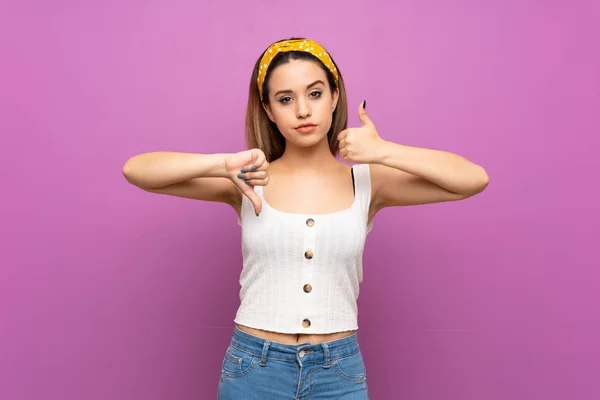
(481, 181)
(129, 171)
(475, 184)
(126, 171)
(136, 172)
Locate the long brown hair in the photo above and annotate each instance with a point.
(263, 134)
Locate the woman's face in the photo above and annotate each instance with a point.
(299, 94)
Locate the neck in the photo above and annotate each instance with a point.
(312, 158)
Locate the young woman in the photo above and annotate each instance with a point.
(304, 216)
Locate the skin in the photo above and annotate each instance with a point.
(308, 179)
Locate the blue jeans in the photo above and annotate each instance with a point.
(255, 368)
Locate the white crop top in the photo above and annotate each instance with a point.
(301, 272)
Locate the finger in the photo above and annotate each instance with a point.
(253, 175)
(362, 114)
(258, 157)
(342, 135)
(255, 167)
(342, 144)
(262, 167)
(257, 182)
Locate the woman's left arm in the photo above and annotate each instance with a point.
(404, 175)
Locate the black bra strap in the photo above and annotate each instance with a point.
(353, 185)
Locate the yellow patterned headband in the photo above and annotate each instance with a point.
(293, 45)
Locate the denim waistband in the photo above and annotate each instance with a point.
(266, 349)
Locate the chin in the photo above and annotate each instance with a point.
(305, 140)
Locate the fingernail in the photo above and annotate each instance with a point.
(253, 168)
(241, 176)
(245, 169)
(365, 104)
(247, 181)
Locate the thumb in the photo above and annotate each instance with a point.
(362, 114)
(254, 199)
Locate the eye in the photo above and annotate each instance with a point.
(316, 93)
(284, 100)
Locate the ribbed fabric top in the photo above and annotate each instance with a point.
(301, 272)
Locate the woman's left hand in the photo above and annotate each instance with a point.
(361, 145)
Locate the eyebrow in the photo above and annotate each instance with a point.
(308, 87)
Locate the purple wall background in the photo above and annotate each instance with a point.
(107, 292)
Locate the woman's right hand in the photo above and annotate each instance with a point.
(247, 169)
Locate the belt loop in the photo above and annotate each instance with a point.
(263, 357)
(326, 354)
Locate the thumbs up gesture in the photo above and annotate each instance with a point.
(360, 145)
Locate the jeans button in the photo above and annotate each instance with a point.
(302, 353)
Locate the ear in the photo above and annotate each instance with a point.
(335, 97)
(267, 109)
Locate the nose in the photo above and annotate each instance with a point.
(303, 108)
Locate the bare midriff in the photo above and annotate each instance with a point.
(296, 338)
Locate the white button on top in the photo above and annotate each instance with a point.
(302, 353)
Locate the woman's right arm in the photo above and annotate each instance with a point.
(194, 176)
(211, 177)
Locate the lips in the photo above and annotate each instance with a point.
(306, 128)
